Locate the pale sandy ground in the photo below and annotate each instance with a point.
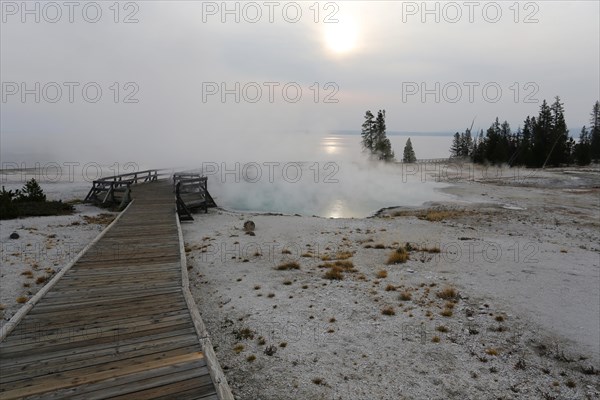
(523, 253)
(44, 246)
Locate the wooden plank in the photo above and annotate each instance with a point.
(69, 379)
(117, 322)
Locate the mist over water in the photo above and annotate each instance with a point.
(327, 175)
(339, 181)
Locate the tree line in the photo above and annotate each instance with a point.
(376, 142)
(543, 140)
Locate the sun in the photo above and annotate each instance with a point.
(341, 37)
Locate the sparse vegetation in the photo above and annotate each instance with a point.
(251, 358)
(21, 299)
(389, 310)
(490, 351)
(435, 339)
(334, 273)
(244, 333)
(382, 274)
(337, 269)
(446, 312)
(405, 295)
(440, 215)
(288, 266)
(390, 288)
(238, 348)
(398, 256)
(442, 328)
(448, 293)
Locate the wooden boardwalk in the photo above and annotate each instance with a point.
(117, 323)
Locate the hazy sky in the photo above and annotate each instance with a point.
(176, 59)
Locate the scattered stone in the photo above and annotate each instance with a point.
(270, 350)
(249, 226)
(14, 235)
(412, 271)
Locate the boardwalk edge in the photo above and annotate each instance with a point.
(22, 312)
(214, 368)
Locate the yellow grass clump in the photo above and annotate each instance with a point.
(399, 256)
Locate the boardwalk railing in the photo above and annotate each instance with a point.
(453, 160)
(191, 192)
(107, 189)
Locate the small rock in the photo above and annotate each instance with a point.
(410, 270)
(14, 235)
(249, 226)
(470, 318)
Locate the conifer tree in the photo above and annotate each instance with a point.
(409, 153)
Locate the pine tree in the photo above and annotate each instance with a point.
(456, 145)
(409, 154)
(382, 147)
(559, 136)
(595, 132)
(542, 131)
(32, 192)
(368, 131)
(467, 144)
(583, 149)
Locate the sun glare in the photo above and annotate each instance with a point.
(341, 37)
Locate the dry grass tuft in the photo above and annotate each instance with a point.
(448, 293)
(442, 329)
(399, 256)
(390, 288)
(492, 351)
(435, 339)
(286, 251)
(334, 273)
(238, 348)
(288, 266)
(388, 311)
(440, 215)
(251, 358)
(337, 269)
(382, 274)
(41, 279)
(344, 255)
(446, 312)
(101, 219)
(379, 246)
(405, 295)
(21, 299)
